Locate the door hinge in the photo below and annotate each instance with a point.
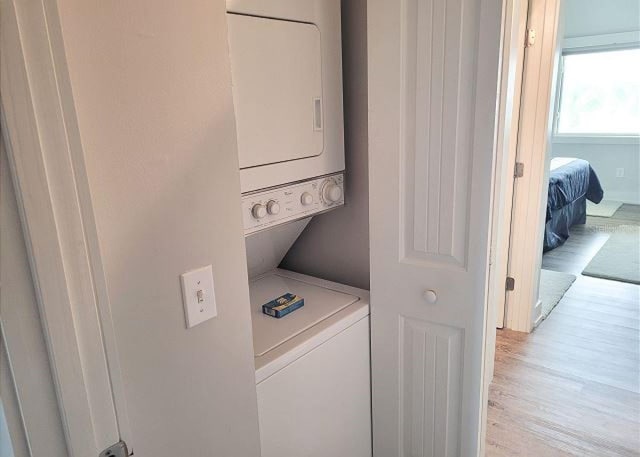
(530, 40)
(117, 450)
(518, 171)
(510, 283)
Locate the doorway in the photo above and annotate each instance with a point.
(567, 363)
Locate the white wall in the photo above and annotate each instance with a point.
(151, 85)
(335, 246)
(6, 450)
(597, 17)
(605, 159)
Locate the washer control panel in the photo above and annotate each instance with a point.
(278, 205)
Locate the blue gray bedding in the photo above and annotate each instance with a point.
(570, 185)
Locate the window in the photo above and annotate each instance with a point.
(600, 94)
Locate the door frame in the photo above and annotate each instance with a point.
(514, 24)
(523, 307)
(523, 81)
(513, 55)
(46, 162)
(32, 405)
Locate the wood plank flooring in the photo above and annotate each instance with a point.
(572, 387)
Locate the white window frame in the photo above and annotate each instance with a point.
(584, 45)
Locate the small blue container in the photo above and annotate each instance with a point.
(282, 305)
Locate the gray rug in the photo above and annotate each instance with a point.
(619, 258)
(606, 208)
(553, 286)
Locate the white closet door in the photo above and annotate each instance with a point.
(433, 84)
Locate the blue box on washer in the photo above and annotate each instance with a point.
(283, 305)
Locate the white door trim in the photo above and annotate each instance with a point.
(31, 407)
(515, 25)
(530, 194)
(47, 165)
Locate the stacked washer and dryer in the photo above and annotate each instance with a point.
(313, 365)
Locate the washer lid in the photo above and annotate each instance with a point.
(319, 304)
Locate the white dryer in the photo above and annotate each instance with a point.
(312, 369)
(286, 69)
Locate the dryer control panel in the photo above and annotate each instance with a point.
(266, 208)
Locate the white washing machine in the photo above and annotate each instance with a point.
(312, 368)
(312, 365)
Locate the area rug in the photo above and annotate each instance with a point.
(619, 258)
(606, 208)
(553, 286)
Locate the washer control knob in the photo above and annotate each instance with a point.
(273, 207)
(258, 211)
(331, 192)
(306, 198)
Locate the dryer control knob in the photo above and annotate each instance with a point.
(258, 211)
(273, 207)
(331, 192)
(306, 198)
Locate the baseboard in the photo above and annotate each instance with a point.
(537, 314)
(624, 197)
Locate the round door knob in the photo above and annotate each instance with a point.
(306, 198)
(331, 192)
(258, 211)
(273, 207)
(430, 296)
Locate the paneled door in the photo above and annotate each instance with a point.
(433, 95)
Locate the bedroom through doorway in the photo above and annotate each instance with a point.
(567, 367)
(593, 201)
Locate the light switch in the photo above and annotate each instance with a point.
(198, 295)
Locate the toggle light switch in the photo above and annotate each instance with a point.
(198, 296)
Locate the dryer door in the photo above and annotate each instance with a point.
(277, 89)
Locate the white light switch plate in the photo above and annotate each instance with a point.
(198, 295)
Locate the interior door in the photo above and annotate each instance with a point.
(433, 84)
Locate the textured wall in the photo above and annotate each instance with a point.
(151, 83)
(598, 17)
(335, 245)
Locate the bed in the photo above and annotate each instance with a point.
(571, 183)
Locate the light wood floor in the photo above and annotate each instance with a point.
(572, 387)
